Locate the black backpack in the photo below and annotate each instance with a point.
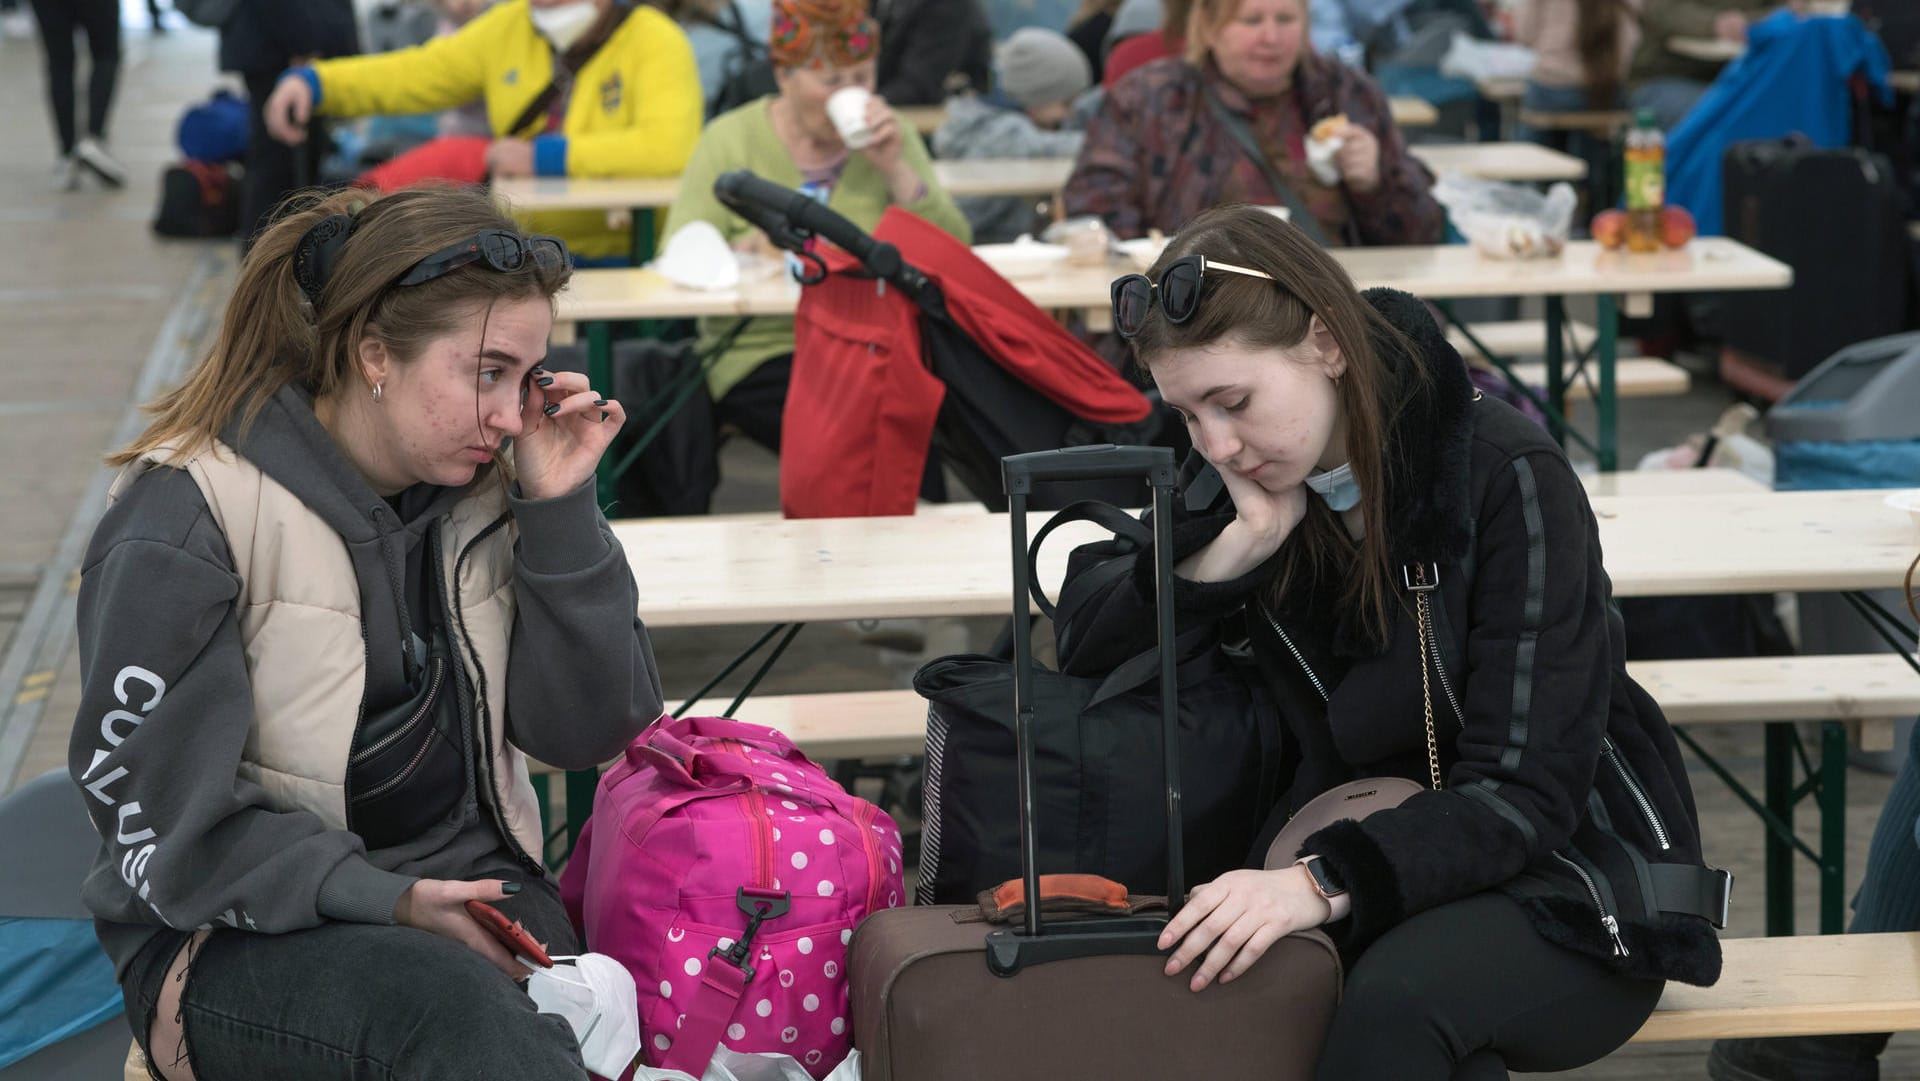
(198, 199)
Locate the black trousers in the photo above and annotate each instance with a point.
(1468, 991)
(58, 20)
(274, 169)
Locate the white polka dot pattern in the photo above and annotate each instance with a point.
(662, 1042)
(806, 944)
(764, 1007)
(693, 963)
(839, 1026)
(812, 1002)
(737, 1031)
(666, 989)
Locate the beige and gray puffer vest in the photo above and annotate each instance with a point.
(300, 623)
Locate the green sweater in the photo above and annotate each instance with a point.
(745, 139)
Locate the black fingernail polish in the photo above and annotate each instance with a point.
(539, 370)
(599, 401)
(509, 888)
(545, 381)
(552, 409)
(603, 414)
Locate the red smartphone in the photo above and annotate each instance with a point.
(511, 935)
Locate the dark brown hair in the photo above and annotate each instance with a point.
(1277, 315)
(270, 336)
(1597, 37)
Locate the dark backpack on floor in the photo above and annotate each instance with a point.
(198, 199)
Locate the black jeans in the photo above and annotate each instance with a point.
(58, 20)
(1467, 991)
(274, 169)
(353, 1000)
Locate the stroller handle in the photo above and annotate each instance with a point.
(790, 218)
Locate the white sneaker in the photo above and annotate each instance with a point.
(100, 163)
(66, 174)
(16, 24)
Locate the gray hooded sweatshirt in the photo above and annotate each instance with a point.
(157, 596)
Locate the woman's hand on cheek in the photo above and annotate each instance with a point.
(1229, 923)
(565, 427)
(1266, 518)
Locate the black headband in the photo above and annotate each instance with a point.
(318, 250)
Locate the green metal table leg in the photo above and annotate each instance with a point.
(1833, 827)
(1607, 402)
(642, 235)
(580, 787)
(1779, 851)
(600, 376)
(1556, 356)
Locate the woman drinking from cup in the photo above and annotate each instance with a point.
(826, 133)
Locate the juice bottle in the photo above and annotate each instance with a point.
(1646, 169)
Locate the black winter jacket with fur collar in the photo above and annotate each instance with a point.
(1564, 785)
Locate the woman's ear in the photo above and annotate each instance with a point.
(1332, 360)
(376, 361)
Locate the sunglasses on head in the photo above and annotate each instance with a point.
(500, 249)
(1179, 290)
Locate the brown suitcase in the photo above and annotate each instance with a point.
(937, 993)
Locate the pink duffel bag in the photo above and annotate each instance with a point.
(727, 872)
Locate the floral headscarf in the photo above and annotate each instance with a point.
(836, 33)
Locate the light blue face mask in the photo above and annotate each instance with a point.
(1336, 487)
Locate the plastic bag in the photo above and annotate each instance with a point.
(1729, 444)
(1508, 221)
(1468, 57)
(731, 1065)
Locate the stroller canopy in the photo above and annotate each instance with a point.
(879, 376)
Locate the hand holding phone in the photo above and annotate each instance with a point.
(511, 935)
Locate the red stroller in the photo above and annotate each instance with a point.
(906, 341)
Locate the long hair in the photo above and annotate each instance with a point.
(1597, 37)
(1277, 315)
(271, 336)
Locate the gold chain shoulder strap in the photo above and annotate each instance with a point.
(1421, 580)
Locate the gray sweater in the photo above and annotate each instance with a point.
(157, 596)
(992, 127)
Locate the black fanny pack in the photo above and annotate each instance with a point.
(407, 768)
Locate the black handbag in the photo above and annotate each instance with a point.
(408, 765)
(1098, 788)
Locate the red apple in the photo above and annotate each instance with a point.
(1676, 226)
(1610, 228)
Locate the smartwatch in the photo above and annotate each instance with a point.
(1322, 877)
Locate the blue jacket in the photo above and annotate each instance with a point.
(1792, 78)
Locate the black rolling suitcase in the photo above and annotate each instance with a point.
(942, 993)
(1837, 217)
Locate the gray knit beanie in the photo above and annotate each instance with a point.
(1039, 67)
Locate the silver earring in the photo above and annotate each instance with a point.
(378, 390)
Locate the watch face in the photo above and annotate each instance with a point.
(1323, 879)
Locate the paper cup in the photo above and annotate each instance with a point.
(847, 108)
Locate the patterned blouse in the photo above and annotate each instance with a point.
(1156, 155)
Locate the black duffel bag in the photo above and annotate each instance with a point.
(1098, 785)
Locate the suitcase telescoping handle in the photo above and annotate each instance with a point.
(1007, 951)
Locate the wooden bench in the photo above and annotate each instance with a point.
(1633, 377)
(1601, 123)
(1797, 986)
(1516, 337)
(1868, 688)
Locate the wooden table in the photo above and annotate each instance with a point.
(1712, 50)
(697, 572)
(1439, 272)
(1035, 177)
(1408, 112)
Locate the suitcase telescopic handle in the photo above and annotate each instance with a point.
(1098, 461)
(1008, 951)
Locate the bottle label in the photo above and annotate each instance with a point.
(1646, 184)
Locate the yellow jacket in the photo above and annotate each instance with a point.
(635, 108)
